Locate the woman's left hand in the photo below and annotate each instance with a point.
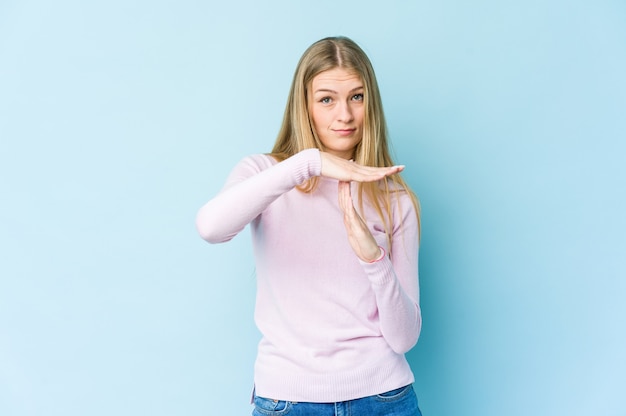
(360, 237)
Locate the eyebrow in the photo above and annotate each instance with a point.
(335, 92)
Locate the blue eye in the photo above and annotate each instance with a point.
(325, 100)
(357, 97)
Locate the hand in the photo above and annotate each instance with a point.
(345, 170)
(359, 236)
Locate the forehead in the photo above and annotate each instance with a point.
(337, 77)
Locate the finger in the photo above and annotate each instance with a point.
(371, 174)
(345, 196)
(350, 215)
(344, 170)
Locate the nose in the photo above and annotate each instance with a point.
(344, 113)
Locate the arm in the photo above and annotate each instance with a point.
(249, 190)
(394, 279)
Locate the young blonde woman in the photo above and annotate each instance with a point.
(335, 231)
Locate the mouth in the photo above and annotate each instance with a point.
(344, 132)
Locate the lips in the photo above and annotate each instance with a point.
(344, 132)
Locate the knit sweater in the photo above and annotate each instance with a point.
(333, 327)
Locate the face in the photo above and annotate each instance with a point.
(336, 108)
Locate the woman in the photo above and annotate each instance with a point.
(335, 233)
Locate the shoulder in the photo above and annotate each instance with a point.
(404, 204)
(253, 164)
(397, 191)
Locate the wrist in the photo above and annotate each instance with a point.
(379, 257)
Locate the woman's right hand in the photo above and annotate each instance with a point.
(345, 170)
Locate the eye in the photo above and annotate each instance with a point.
(357, 97)
(326, 100)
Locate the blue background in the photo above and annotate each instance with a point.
(119, 119)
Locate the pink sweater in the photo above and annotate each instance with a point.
(334, 327)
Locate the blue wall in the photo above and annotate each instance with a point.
(119, 119)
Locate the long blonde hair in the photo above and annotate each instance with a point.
(297, 133)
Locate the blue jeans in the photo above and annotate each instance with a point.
(398, 402)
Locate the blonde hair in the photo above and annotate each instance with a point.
(297, 133)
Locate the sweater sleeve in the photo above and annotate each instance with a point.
(250, 188)
(394, 280)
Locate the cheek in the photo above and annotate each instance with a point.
(315, 116)
(321, 120)
(360, 115)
